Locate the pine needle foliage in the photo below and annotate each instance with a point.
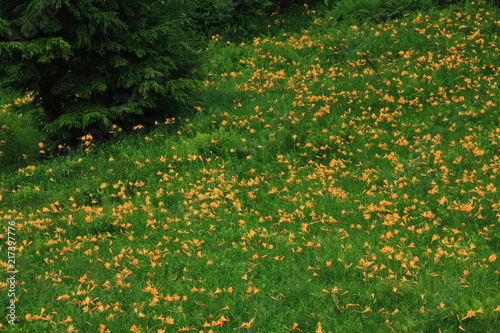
(89, 63)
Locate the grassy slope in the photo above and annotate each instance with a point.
(333, 181)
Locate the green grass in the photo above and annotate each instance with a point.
(18, 138)
(344, 179)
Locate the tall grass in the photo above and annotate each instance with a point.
(18, 137)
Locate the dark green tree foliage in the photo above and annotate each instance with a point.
(249, 16)
(90, 62)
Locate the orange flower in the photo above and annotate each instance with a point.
(62, 297)
(470, 314)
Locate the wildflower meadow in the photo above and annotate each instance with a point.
(340, 178)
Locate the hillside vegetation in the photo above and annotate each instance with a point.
(340, 179)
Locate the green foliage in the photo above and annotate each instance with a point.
(95, 62)
(29, 327)
(18, 137)
(365, 201)
(239, 19)
(220, 12)
(213, 143)
(378, 11)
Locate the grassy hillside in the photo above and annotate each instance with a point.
(344, 179)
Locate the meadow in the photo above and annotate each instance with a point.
(343, 178)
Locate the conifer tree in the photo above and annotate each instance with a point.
(87, 62)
